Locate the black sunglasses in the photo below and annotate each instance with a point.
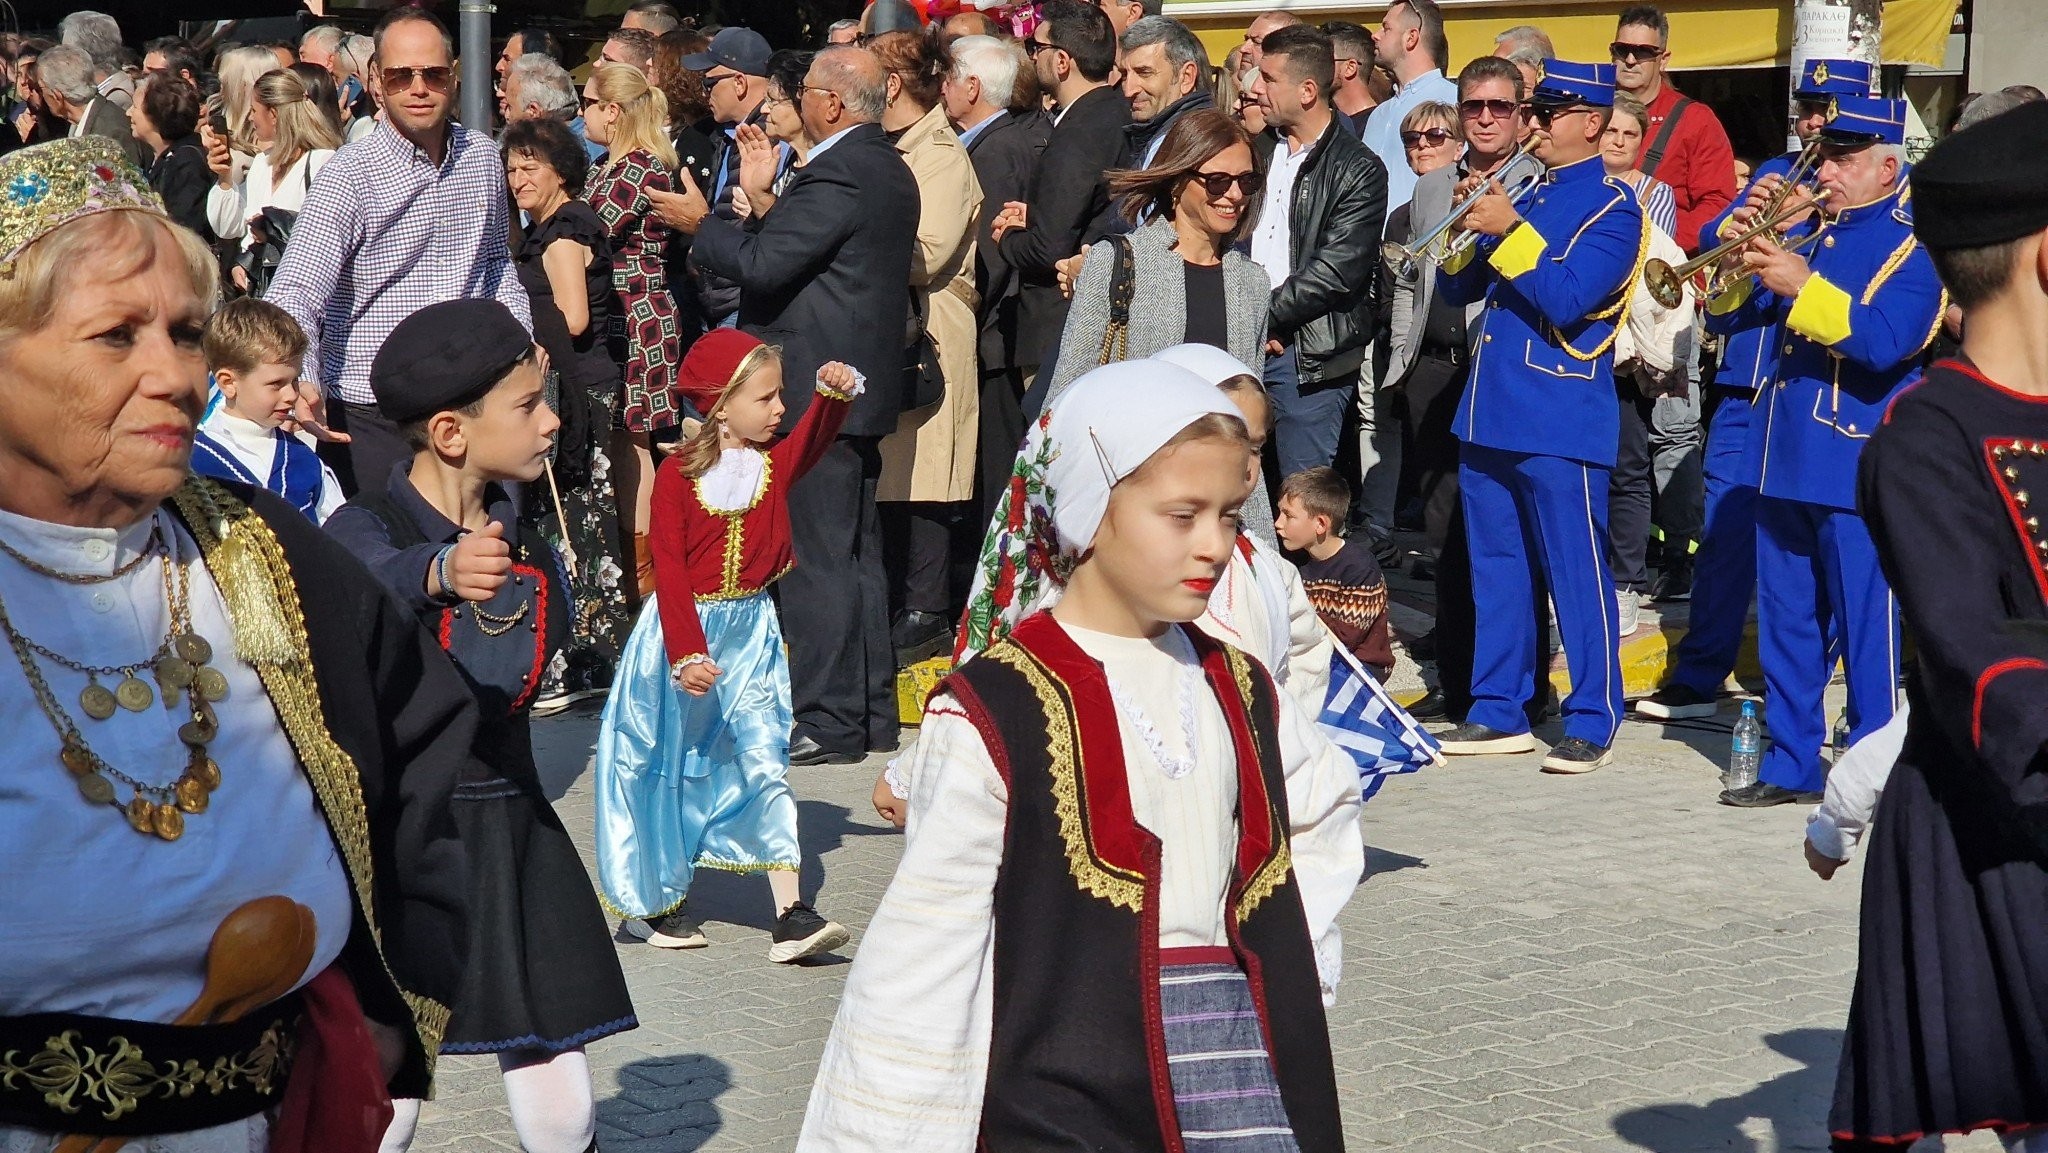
(711, 81)
(1498, 109)
(1218, 183)
(1034, 47)
(1543, 114)
(1435, 136)
(1634, 53)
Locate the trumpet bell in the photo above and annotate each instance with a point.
(1666, 286)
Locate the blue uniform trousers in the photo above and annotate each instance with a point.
(1818, 578)
(1523, 511)
(1724, 571)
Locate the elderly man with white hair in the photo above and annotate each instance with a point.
(100, 37)
(1003, 148)
(537, 88)
(66, 75)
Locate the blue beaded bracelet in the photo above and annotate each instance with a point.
(441, 570)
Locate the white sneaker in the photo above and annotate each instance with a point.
(1631, 607)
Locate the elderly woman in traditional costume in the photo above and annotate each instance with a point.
(228, 874)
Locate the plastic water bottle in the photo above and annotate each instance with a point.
(1747, 751)
(1838, 741)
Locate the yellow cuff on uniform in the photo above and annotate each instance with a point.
(1519, 252)
(1820, 312)
(1459, 259)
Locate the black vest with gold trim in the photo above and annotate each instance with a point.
(1077, 1055)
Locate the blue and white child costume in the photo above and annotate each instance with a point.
(230, 447)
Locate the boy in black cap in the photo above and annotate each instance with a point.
(462, 381)
(1945, 1030)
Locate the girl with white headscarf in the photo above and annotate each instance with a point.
(1168, 828)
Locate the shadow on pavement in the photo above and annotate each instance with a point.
(743, 899)
(668, 1102)
(1378, 861)
(1795, 1104)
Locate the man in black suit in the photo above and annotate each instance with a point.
(826, 275)
(1003, 148)
(1073, 50)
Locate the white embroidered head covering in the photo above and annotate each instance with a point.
(1216, 366)
(1102, 428)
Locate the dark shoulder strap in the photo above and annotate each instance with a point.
(1654, 154)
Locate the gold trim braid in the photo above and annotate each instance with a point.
(1279, 863)
(1120, 888)
(249, 566)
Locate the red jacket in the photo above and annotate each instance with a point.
(703, 554)
(1698, 163)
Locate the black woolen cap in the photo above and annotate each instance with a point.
(1983, 185)
(444, 356)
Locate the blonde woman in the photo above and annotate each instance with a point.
(302, 139)
(240, 68)
(629, 116)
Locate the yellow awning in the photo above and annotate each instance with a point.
(1704, 33)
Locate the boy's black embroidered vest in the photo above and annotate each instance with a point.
(1077, 1055)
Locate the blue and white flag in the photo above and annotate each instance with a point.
(1361, 718)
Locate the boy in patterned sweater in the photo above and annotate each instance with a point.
(1344, 584)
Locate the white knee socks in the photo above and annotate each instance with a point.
(553, 1109)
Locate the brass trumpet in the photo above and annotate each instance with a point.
(1405, 260)
(1667, 284)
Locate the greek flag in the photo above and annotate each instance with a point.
(1361, 719)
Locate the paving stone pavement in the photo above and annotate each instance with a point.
(1607, 962)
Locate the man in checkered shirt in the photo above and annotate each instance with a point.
(412, 214)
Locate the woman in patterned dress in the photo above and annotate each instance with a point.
(622, 111)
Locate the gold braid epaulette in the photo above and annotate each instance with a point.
(248, 564)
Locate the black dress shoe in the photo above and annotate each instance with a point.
(1423, 648)
(1763, 796)
(919, 636)
(805, 751)
(1430, 707)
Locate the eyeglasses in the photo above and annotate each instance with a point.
(1218, 183)
(1034, 47)
(771, 101)
(1634, 53)
(1498, 109)
(1435, 136)
(437, 78)
(590, 102)
(803, 88)
(1543, 114)
(714, 80)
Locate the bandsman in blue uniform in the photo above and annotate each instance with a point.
(1856, 318)
(1539, 422)
(1724, 572)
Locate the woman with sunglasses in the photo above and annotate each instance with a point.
(1431, 138)
(1188, 282)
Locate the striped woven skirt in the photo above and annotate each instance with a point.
(1224, 1091)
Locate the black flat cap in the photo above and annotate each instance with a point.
(1983, 185)
(444, 356)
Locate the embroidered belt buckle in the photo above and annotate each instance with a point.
(107, 1077)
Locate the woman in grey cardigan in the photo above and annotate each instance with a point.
(1189, 284)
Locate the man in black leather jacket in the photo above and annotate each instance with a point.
(1319, 237)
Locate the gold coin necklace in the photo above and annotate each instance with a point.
(155, 810)
(130, 691)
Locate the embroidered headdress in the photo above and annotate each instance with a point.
(47, 186)
(1102, 428)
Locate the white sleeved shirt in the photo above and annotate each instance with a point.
(1260, 606)
(906, 1063)
(1855, 784)
(229, 210)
